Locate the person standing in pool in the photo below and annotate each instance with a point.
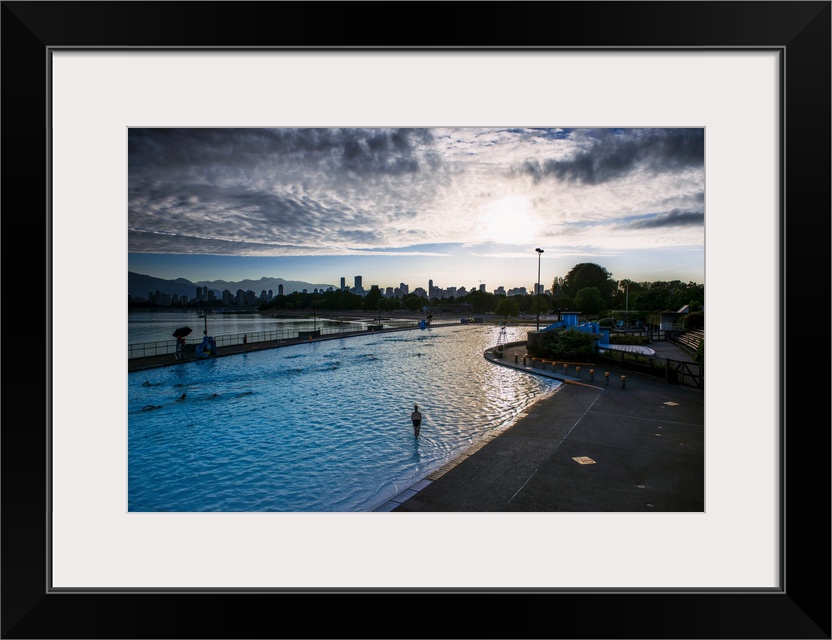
(416, 418)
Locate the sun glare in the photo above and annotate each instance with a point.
(509, 221)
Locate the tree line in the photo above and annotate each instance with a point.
(588, 288)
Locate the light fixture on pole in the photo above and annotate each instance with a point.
(539, 253)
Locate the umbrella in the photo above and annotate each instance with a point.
(182, 331)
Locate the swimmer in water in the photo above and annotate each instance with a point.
(416, 417)
(151, 407)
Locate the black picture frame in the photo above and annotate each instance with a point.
(800, 31)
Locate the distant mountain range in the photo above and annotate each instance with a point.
(140, 286)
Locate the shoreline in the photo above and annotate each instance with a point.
(392, 504)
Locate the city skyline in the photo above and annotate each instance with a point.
(462, 206)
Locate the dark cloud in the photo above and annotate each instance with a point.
(674, 218)
(301, 185)
(362, 151)
(608, 154)
(183, 244)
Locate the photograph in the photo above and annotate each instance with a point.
(350, 249)
(415, 308)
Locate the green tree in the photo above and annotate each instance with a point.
(589, 301)
(558, 287)
(412, 302)
(694, 320)
(507, 307)
(626, 293)
(564, 304)
(589, 274)
(540, 304)
(565, 345)
(481, 301)
(389, 304)
(656, 298)
(372, 298)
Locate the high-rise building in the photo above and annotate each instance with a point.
(359, 287)
(343, 283)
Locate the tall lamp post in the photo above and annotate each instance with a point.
(539, 253)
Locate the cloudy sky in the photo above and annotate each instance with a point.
(459, 206)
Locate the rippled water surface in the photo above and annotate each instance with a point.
(322, 426)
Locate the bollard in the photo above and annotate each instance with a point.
(592, 375)
(623, 381)
(606, 377)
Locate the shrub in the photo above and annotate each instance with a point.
(694, 320)
(565, 345)
(699, 356)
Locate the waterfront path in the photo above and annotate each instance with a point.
(592, 446)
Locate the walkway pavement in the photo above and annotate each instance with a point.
(617, 446)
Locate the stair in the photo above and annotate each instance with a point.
(689, 340)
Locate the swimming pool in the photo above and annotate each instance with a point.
(317, 427)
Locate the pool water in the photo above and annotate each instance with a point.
(317, 427)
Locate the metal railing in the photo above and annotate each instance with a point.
(687, 374)
(168, 347)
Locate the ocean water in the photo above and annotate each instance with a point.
(317, 427)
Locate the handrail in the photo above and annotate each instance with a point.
(168, 347)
